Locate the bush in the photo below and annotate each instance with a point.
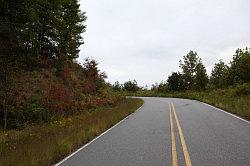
(31, 112)
(241, 90)
(59, 100)
(34, 112)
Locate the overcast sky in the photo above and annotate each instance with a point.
(145, 39)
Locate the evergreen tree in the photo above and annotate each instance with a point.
(219, 74)
(201, 78)
(70, 28)
(188, 66)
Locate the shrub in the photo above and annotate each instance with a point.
(31, 112)
(34, 112)
(59, 100)
(241, 90)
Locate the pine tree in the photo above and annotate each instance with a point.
(70, 27)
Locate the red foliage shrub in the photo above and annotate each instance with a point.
(59, 100)
(88, 87)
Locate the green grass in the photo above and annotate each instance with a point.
(239, 105)
(47, 144)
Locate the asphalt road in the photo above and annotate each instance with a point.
(200, 135)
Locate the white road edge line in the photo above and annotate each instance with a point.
(225, 112)
(84, 146)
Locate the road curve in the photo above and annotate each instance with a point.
(200, 133)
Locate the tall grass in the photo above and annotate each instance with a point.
(239, 105)
(48, 143)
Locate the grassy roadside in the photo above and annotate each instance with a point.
(47, 144)
(238, 105)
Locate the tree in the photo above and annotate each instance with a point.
(176, 82)
(193, 71)
(117, 86)
(240, 67)
(188, 66)
(70, 27)
(163, 87)
(95, 79)
(37, 28)
(131, 86)
(201, 78)
(219, 74)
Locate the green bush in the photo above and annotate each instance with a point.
(241, 90)
(34, 112)
(31, 112)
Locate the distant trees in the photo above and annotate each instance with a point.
(131, 86)
(219, 75)
(161, 88)
(117, 86)
(193, 75)
(176, 82)
(128, 86)
(237, 72)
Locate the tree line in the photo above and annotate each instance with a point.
(193, 75)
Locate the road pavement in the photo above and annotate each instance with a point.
(170, 131)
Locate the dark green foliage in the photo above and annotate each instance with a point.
(131, 86)
(188, 66)
(117, 86)
(240, 67)
(219, 75)
(176, 82)
(194, 72)
(237, 73)
(163, 87)
(34, 112)
(39, 28)
(160, 88)
(241, 90)
(31, 112)
(201, 78)
(70, 28)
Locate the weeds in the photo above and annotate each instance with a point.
(48, 143)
